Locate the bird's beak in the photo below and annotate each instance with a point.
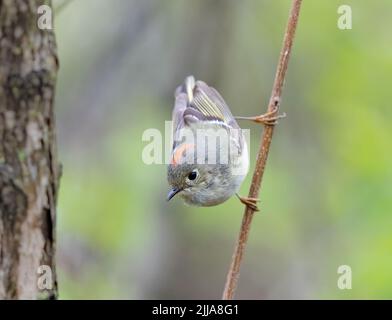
(172, 193)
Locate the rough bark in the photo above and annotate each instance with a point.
(29, 171)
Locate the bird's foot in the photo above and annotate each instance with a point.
(269, 118)
(249, 202)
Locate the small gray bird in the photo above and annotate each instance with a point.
(207, 173)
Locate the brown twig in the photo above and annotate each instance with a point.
(233, 274)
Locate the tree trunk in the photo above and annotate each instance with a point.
(29, 171)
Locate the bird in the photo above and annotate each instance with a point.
(207, 173)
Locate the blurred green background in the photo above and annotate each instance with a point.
(327, 194)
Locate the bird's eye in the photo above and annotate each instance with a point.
(192, 175)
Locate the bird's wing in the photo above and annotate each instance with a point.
(206, 104)
(196, 102)
(178, 116)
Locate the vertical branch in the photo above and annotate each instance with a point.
(274, 103)
(29, 171)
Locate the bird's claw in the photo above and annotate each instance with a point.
(269, 118)
(249, 202)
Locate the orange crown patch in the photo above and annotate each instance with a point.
(178, 153)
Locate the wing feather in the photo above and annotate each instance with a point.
(208, 104)
(196, 101)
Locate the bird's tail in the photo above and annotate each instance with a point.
(187, 87)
